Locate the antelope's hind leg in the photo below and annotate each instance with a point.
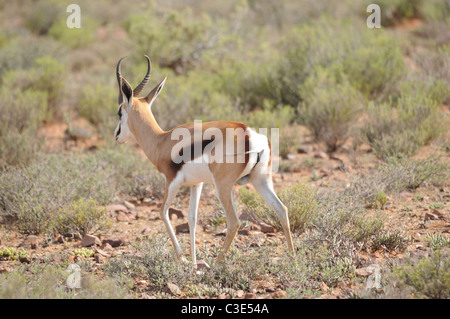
(264, 187)
(196, 191)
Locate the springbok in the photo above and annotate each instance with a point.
(137, 120)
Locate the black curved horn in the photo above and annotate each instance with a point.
(118, 73)
(141, 85)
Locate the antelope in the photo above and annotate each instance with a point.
(136, 121)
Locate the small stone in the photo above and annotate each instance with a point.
(305, 149)
(99, 251)
(250, 295)
(366, 271)
(90, 240)
(320, 154)
(182, 228)
(240, 293)
(114, 242)
(116, 208)
(222, 296)
(31, 242)
(5, 269)
(266, 228)
(100, 259)
(122, 217)
(175, 214)
(290, 157)
(324, 287)
(279, 294)
(25, 260)
(244, 232)
(107, 247)
(59, 239)
(173, 289)
(129, 205)
(221, 233)
(430, 216)
(146, 231)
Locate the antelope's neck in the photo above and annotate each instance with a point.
(147, 132)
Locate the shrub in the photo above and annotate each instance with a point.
(376, 66)
(329, 108)
(40, 16)
(398, 10)
(34, 194)
(21, 116)
(14, 57)
(404, 129)
(372, 62)
(47, 75)
(437, 241)
(299, 199)
(394, 176)
(435, 64)
(180, 44)
(49, 282)
(80, 217)
(98, 103)
(436, 10)
(429, 277)
(75, 37)
(389, 241)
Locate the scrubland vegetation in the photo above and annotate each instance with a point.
(374, 102)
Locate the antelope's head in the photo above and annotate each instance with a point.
(129, 100)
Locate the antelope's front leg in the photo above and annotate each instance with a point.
(196, 190)
(171, 191)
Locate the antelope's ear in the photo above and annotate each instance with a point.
(126, 92)
(155, 92)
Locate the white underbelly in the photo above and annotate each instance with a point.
(193, 173)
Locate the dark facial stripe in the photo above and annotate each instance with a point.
(118, 131)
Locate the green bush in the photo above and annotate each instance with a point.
(49, 282)
(394, 11)
(436, 10)
(429, 277)
(404, 128)
(39, 17)
(98, 103)
(394, 176)
(21, 116)
(376, 66)
(33, 195)
(46, 75)
(299, 199)
(372, 62)
(80, 217)
(437, 241)
(194, 96)
(330, 107)
(14, 57)
(75, 37)
(179, 45)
